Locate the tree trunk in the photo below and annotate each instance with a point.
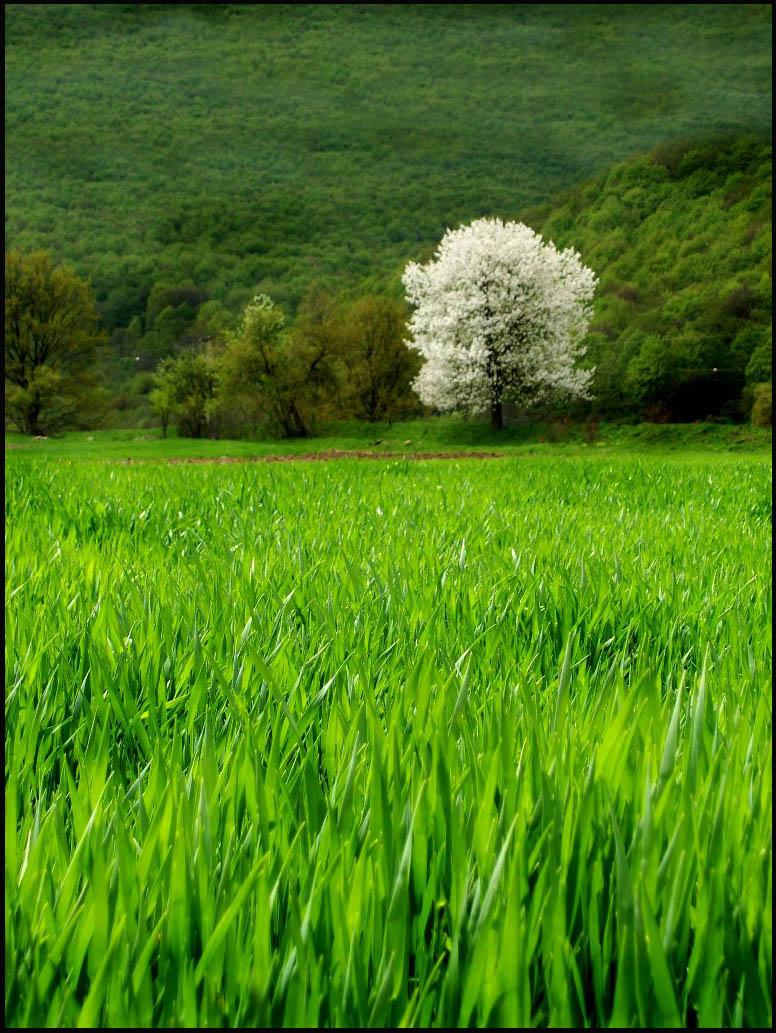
(496, 416)
(301, 425)
(33, 416)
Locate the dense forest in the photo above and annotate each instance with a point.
(681, 240)
(185, 157)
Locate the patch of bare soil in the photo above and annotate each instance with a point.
(334, 454)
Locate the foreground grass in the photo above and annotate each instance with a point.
(389, 743)
(436, 434)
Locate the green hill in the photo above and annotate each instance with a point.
(224, 146)
(681, 240)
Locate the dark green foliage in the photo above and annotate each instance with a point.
(380, 366)
(762, 409)
(279, 145)
(681, 240)
(50, 334)
(184, 391)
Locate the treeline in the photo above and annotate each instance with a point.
(265, 374)
(680, 240)
(268, 376)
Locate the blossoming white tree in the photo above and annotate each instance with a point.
(499, 317)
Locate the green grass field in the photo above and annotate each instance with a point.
(429, 435)
(396, 743)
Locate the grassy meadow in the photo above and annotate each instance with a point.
(389, 744)
(430, 435)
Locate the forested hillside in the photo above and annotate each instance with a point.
(235, 145)
(681, 240)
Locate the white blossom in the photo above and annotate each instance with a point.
(499, 317)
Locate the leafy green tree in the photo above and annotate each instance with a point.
(50, 338)
(760, 365)
(381, 368)
(184, 391)
(649, 376)
(319, 348)
(281, 377)
(161, 401)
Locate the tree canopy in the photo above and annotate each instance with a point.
(50, 336)
(500, 317)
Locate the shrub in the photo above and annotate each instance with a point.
(762, 410)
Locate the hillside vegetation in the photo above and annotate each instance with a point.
(681, 240)
(274, 145)
(184, 157)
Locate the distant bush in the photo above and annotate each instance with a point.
(762, 410)
(185, 388)
(591, 429)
